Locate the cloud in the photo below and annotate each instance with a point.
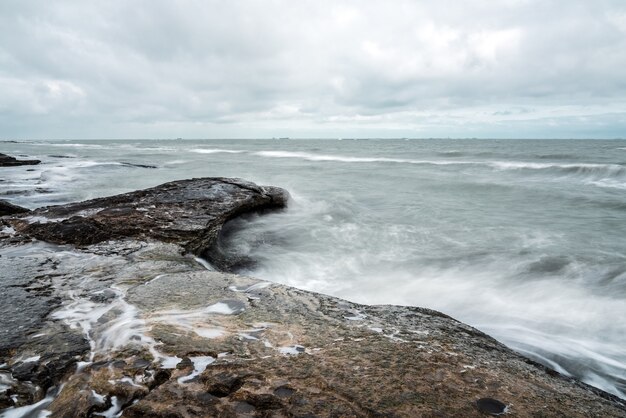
(312, 68)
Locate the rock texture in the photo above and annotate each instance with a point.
(133, 324)
(190, 213)
(7, 208)
(8, 161)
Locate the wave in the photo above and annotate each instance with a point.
(344, 159)
(72, 145)
(216, 151)
(608, 183)
(140, 148)
(109, 146)
(452, 153)
(556, 156)
(599, 170)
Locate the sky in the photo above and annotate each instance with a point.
(298, 68)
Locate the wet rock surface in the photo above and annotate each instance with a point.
(135, 325)
(7, 208)
(8, 161)
(190, 213)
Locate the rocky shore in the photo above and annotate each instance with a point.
(111, 309)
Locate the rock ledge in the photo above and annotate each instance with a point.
(8, 161)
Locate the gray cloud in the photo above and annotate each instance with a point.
(312, 68)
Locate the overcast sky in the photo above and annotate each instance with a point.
(233, 69)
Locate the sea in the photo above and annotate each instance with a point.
(522, 239)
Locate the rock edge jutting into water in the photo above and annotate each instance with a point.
(118, 317)
(190, 213)
(7, 208)
(8, 161)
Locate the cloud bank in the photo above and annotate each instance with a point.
(213, 69)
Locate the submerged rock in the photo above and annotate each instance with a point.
(132, 325)
(8, 161)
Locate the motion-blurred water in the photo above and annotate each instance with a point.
(526, 240)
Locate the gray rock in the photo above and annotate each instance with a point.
(7, 161)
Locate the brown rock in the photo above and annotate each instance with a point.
(190, 213)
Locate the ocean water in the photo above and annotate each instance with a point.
(523, 239)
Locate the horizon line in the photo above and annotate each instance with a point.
(14, 140)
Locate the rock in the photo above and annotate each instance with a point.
(158, 335)
(7, 161)
(138, 165)
(7, 208)
(190, 213)
(24, 371)
(491, 406)
(225, 383)
(28, 299)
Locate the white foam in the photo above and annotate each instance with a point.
(215, 151)
(99, 399)
(125, 327)
(42, 219)
(198, 321)
(114, 411)
(36, 410)
(504, 165)
(130, 381)
(6, 381)
(292, 350)
(356, 315)
(7, 230)
(204, 263)
(209, 333)
(170, 362)
(72, 145)
(345, 159)
(608, 183)
(200, 364)
(82, 365)
(176, 162)
(221, 308)
(256, 286)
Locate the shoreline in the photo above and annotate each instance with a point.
(288, 351)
